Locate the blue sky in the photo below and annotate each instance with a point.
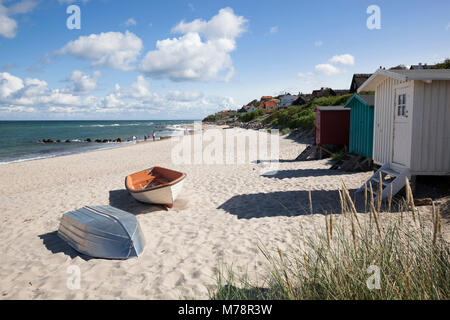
(186, 59)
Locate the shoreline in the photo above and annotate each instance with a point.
(93, 145)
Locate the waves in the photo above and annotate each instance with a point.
(24, 140)
(116, 125)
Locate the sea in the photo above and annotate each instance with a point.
(23, 140)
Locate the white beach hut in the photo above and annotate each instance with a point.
(411, 124)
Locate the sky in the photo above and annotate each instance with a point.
(156, 60)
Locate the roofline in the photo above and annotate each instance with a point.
(330, 108)
(357, 97)
(376, 74)
(381, 73)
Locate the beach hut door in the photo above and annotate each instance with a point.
(402, 126)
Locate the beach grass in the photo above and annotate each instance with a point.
(380, 255)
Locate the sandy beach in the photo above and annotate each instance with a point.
(223, 213)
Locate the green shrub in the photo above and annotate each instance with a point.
(303, 116)
(249, 116)
(216, 117)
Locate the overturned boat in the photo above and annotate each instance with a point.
(102, 232)
(156, 185)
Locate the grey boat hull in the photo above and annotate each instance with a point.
(102, 232)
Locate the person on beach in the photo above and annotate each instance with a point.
(154, 136)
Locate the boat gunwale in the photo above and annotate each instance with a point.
(168, 184)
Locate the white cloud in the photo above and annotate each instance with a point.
(345, 59)
(130, 22)
(447, 27)
(17, 109)
(190, 57)
(31, 91)
(34, 95)
(139, 89)
(183, 96)
(9, 84)
(224, 25)
(82, 82)
(8, 26)
(111, 49)
(22, 7)
(318, 43)
(273, 29)
(326, 69)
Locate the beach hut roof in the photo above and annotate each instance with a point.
(368, 99)
(404, 75)
(331, 108)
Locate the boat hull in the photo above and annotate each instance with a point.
(165, 195)
(102, 232)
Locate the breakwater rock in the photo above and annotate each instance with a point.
(88, 140)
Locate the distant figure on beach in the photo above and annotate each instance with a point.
(134, 138)
(145, 138)
(154, 136)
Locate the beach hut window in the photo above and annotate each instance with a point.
(401, 106)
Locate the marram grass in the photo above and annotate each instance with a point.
(378, 256)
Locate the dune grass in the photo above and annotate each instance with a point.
(405, 251)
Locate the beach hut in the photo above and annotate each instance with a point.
(411, 131)
(361, 124)
(332, 126)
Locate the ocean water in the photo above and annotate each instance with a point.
(20, 140)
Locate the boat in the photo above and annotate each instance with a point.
(102, 232)
(156, 185)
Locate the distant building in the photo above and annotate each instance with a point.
(227, 112)
(247, 108)
(357, 80)
(327, 92)
(286, 100)
(267, 103)
(301, 100)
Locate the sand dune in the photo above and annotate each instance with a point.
(223, 213)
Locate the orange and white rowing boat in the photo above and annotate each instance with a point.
(156, 185)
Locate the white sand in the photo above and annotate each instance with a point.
(222, 214)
